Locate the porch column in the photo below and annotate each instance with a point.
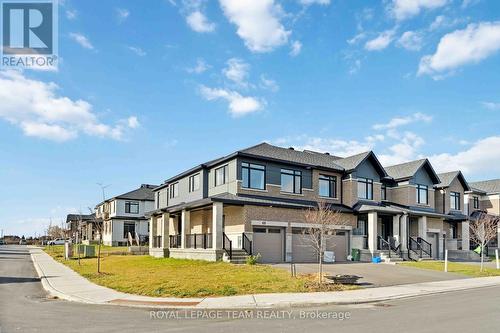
(152, 231)
(372, 232)
(217, 228)
(403, 232)
(465, 235)
(422, 227)
(165, 224)
(185, 226)
(395, 229)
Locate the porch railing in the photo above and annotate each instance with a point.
(175, 241)
(414, 246)
(384, 245)
(227, 245)
(425, 246)
(199, 241)
(246, 244)
(156, 241)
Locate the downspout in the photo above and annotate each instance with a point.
(444, 198)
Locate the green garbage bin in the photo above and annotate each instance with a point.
(356, 254)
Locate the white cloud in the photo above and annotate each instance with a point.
(133, 122)
(461, 47)
(405, 9)
(411, 40)
(355, 67)
(296, 47)
(357, 38)
(201, 67)
(491, 105)
(258, 23)
(401, 121)
(381, 41)
(35, 107)
(137, 50)
(483, 156)
(336, 147)
(71, 14)
(199, 22)
(268, 84)
(238, 105)
(122, 14)
(82, 40)
(237, 71)
(312, 2)
(405, 149)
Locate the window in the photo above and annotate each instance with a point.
(194, 183)
(131, 207)
(157, 200)
(221, 175)
(365, 188)
(291, 181)
(362, 226)
(128, 227)
(475, 202)
(174, 190)
(383, 192)
(453, 231)
(328, 186)
(422, 194)
(455, 200)
(253, 176)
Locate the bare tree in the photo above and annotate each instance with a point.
(321, 221)
(482, 231)
(98, 225)
(55, 231)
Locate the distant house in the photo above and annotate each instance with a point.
(124, 214)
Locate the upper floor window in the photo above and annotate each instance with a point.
(422, 194)
(174, 190)
(328, 186)
(365, 188)
(221, 175)
(158, 196)
(291, 181)
(383, 192)
(455, 200)
(253, 176)
(194, 183)
(475, 202)
(131, 207)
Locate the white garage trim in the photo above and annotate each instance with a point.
(270, 223)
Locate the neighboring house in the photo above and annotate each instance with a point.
(76, 223)
(124, 214)
(253, 201)
(484, 196)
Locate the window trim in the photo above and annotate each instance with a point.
(475, 200)
(224, 176)
(426, 188)
(294, 174)
(248, 167)
(455, 198)
(191, 183)
(383, 193)
(366, 181)
(331, 179)
(173, 194)
(129, 204)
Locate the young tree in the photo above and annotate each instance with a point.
(482, 231)
(98, 224)
(54, 231)
(321, 221)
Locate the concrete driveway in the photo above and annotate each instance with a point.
(377, 275)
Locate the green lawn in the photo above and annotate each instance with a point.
(167, 277)
(454, 267)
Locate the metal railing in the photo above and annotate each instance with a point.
(414, 246)
(175, 241)
(384, 245)
(246, 244)
(227, 245)
(425, 246)
(199, 241)
(156, 241)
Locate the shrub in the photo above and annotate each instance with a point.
(252, 260)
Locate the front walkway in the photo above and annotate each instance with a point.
(377, 275)
(59, 280)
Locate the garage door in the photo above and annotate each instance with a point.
(268, 242)
(338, 244)
(302, 249)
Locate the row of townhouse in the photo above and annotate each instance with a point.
(253, 201)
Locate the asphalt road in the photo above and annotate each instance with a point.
(24, 307)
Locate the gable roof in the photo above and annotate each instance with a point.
(405, 171)
(145, 192)
(350, 163)
(76, 217)
(489, 186)
(448, 177)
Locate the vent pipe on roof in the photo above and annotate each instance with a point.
(327, 153)
(291, 148)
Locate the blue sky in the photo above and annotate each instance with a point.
(143, 92)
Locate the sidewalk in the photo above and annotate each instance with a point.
(63, 282)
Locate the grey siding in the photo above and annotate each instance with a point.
(367, 170)
(422, 177)
(184, 194)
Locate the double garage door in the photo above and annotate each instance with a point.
(270, 243)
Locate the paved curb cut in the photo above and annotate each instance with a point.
(266, 301)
